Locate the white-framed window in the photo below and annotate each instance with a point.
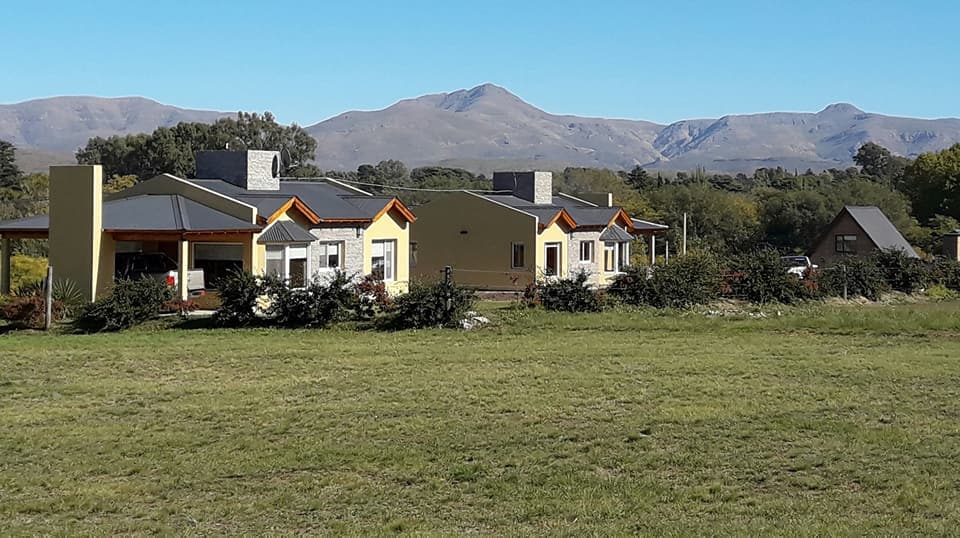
(586, 251)
(610, 257)
(517, 256)
(623, 256)
(330, 255)
(289, 262)
(552, 253)
(383, 259)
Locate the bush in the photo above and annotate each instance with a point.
(321, 302)
(945, 272)
(901, 272)
(240, 293)
(433, 305)
(760, 277)
(686, 281)
(372, 297)
(862, 277)
(26, 270)
(569, 295)
(29, 312)
(131, 303)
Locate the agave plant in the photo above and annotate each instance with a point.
(68, 294)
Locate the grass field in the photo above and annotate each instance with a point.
(829, 420)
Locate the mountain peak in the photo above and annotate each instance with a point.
(840, 109)
(487, 93)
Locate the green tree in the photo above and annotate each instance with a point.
(718, 221)
(640, 180)
(932, 182)
(792, 220)
(10, 173)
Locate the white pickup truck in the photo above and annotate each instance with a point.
(798, 265)
(134, 265)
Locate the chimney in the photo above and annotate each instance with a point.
(536, 187)
(76, 228)
(602, 199)
(253, 170)
(951, 245)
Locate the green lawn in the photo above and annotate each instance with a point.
(828, 420)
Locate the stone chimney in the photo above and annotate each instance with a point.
(602, 199)
(253, 170)
(951, 245)
(536, 187)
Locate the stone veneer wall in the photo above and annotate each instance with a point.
(352, 242)
(573, 252)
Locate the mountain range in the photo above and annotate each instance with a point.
(487, 127)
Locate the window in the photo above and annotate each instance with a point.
(217, 261)
(586, 251)
(846, 244)
(414, 253)
(288, 262)
(623, 255)
(610, 257)
(517, 259)
(330, 255)
(552, 255)
(382, 259)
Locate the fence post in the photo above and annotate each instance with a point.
(447, 281)
(843, 268)
(48, 299)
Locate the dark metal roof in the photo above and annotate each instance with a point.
(150, 212)
(592, 216)
(285, 231)
(879, 229)
(644, 226)
(616, 234)
(40, 223)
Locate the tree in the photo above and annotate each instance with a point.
(873, 159)
(10, 173)
(792, 220)
(719, 221)
(172, 149)
(639, 179)
(932, 182)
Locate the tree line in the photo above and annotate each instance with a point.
(728, 213)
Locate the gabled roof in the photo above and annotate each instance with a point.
(879, 229)
(149, 213)
(329, 201)
(285, 231)
(616, 234)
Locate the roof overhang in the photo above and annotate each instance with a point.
(561, 217)
(295, 203)
(396, 205)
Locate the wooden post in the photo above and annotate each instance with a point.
(843, 267)
(653, 249)
(447, 280)
(48, 299)
(5, 265)
(684, 250)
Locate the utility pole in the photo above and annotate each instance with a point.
(684, 250)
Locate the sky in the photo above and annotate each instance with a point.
(659, 61)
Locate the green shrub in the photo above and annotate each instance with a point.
(939, 292)
(569, 295)
(945, 272)
(431, 305)
(321, 302)
(240, 293)
(862, 277)
(26, 270)
(901, 272)
(131, 303)
(686, 281)
(760, 277)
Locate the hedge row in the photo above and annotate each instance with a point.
(759, 277)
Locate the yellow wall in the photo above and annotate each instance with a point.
(481, 257)
(76, 226)
(555, 233)
(390, 226)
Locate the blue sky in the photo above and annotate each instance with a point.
(661, 61)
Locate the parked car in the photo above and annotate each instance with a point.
(798, 265)
(134, 265)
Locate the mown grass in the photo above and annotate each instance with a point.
(823, 420)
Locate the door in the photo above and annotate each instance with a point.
(552, 262)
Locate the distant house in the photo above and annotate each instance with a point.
(524, 232)
(239, 215)
(858, 231)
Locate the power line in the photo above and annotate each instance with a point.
(395, 187)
